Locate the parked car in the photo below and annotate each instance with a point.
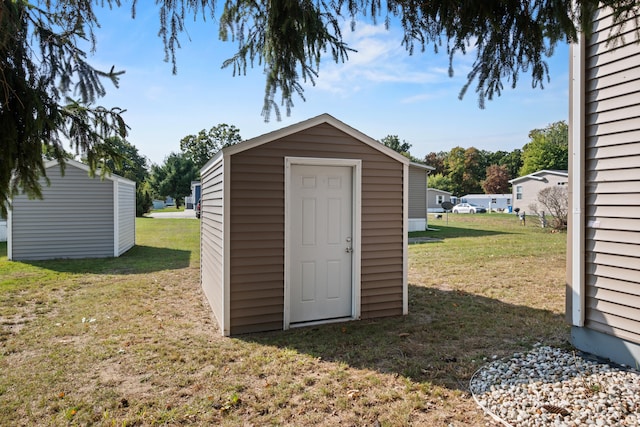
(468, 208)
(198, 209)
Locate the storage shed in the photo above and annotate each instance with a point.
(78, 216)
(304, 225)
(603, 251)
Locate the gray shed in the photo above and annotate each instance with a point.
(78, 217)
(304, 225)
(603, 251)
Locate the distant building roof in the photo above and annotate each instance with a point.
(536, 175)
(441, 191)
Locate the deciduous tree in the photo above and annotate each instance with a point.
(473, 171)
(436, 161)
(513, 162)
(548, 148)
(174, 177)
(393, 142)
(497, 180)
(203, 146)
(455, 167)
(440, 182)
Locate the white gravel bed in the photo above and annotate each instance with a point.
(552, 387)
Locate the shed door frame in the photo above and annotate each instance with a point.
(356, 167)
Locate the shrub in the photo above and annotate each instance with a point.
(555, 202)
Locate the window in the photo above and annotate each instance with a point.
(439, 199)
(519, 192)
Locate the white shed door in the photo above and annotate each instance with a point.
(321, 207)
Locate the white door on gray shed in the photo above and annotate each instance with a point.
(321, 242)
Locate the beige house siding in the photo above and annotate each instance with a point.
(417, 192)
(212, 239)
(525, 188)
(432, 199)
(418, 174)
(612, 185)
(257, 226)
(603, 269)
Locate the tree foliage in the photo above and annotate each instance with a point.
(47, 88)
(393, 142)
(127, 162)
(497, 180)
(436, 161)
(513, 162)
(174, 177)
(469, 170)
(548, 148)
(440, 182)
(203, 146)
(473, 171)
(46, 92)
(144, 202)
(509, 38)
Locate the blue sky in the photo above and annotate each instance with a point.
(381, 90)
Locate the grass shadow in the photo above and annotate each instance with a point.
(138, 260)
(438, 231)
(445, 338)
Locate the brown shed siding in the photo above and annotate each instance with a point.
(612, 183)
(257, 226)
(212, 239)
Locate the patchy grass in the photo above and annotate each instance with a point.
(130, 341)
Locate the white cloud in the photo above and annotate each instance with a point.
(380, 59)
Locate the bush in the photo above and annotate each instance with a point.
(555, 202)
(144, 203)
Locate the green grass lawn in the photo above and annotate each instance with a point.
(131, 341)
(169, 209)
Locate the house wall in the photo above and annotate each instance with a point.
(432, 199)
(609, 297)
(74, 220)
(417, 199)
(531, 187)
(126, 216)
(212, 240)
(502, 201)
(257, 227)
(3, 230)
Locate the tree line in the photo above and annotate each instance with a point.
(460, 171)
(471, 171)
